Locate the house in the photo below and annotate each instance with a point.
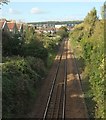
(20, 27)
(12, 27)
(59, 26)
(3, 25)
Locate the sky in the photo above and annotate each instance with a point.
(34, 11)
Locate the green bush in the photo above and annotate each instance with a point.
(20, 80)
(51, 44)
(26, 58)
(63, 32)
(11, 44)
(35, 49)
(90, 46)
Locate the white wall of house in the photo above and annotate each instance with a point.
(59, 26)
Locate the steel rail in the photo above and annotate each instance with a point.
(65, 83)
(52, 88)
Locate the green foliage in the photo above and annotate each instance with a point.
(20, 78)
(4, 2)
(23, 45)
(51, 43)
(91, 17)
(29, 35)
(35, 49)
(90, 46)
(63, 32)
(22, 75)
(33, 46)
(50, 59)
(103, 9)
(12, 44)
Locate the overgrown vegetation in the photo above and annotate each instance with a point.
(26, 59)
(88, 43)
(20, 78)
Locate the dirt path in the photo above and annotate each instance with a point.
(75, 104)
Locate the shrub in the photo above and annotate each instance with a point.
(20, 80)
(91, 44)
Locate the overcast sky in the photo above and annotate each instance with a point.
(32, 11)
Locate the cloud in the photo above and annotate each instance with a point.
(12, 11)
(36, 11)
(0, 12)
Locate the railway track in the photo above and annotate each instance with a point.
(62, 96)
(55, 107)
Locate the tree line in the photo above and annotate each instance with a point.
(27, 58)
(88, 43)
(58, 22)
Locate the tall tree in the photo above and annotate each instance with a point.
(103, 11)
(91, 17)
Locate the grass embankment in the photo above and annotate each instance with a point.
(88, 44)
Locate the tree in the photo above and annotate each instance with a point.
(63, 32)
(4, 2)
(33, 46)
(103, 11)
(63, 28)
(91, 16)
(11, 44)
(29, 34)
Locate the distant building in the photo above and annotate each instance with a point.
(13, 27)
(59, 26)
